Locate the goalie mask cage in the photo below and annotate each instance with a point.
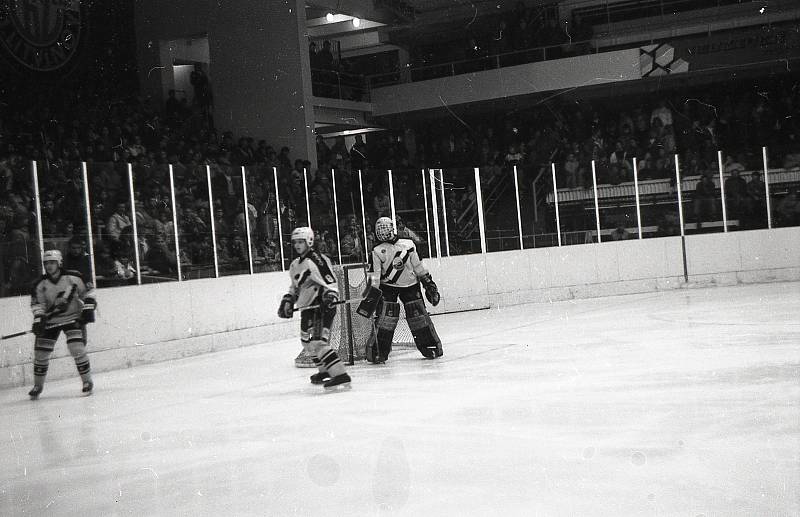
(350, 331)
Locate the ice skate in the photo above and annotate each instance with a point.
(304, 360)
(35, 392)
(88, 386)
(319, 378)
(340, 382)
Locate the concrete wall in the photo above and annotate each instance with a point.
(259, 67)
(573, 72)
(157, 322)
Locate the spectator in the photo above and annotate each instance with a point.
(620, 233)
(756, 201)
(382, 203)
(159, 258)
(118, 221)
(735, 195)
(705, 199)
(787, 213)
(77, 259)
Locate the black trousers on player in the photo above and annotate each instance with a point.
(406, 294)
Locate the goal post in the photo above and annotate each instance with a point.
(351, 331)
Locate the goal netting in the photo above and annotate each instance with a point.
(350, 330)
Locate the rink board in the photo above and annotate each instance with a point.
(158, 322)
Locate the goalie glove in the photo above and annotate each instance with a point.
(431, 291)
(286, 308)
(329, 299)
(87, 314)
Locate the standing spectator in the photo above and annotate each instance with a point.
(735, 195)
(756, 201)
(705, 194)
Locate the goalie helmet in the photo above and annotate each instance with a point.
(53, 255)
(304, 233)
(384, 229)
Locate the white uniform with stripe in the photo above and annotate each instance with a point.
(397, 264)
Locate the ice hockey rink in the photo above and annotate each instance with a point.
(684, 402)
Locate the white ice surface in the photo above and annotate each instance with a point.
(676, 403)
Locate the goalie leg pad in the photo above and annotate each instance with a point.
(425, 336)
(380, 345)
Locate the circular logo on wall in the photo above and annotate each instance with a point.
(41, 35)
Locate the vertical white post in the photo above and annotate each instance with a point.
(135, 227)
(38, 202)
(308, 206)
(391, 198)
(555, 198)
(363, 216)
(636, 187)
(766, 187)
(88, 220)
(247, 220)
(213, 224)
(435, 208)
(278, 212)
(519, 210)
(336, 216)
(680, 194)
(479, 202)
(425, 206)
(175, 222)
(444, 213)
(722, 192)
(597, 202)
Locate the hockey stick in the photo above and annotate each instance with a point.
(47, 315)
(317, 306)
(339, 302)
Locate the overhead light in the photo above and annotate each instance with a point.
(356, 22)
(329, 17)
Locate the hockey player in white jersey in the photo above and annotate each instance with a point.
(314, 284)
(397, 268)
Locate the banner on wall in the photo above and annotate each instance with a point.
(749, 45)
(41, 36)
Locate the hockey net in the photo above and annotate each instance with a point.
(350, 330)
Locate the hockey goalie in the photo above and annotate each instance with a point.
(398, 270)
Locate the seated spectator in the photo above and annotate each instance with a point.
(404, 232)
(77, 259)
(104, 262)
(382, 204)
(620, 233)
(123, 268)
(159, 258)
(787, 213)
(118, 221)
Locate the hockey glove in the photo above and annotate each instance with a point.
(329, 299)
(38, 326)
(286, 308)
(431, 291)
(87, 315)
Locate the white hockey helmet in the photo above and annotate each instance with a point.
(304, 233)
(53, 255)
(384, 229)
